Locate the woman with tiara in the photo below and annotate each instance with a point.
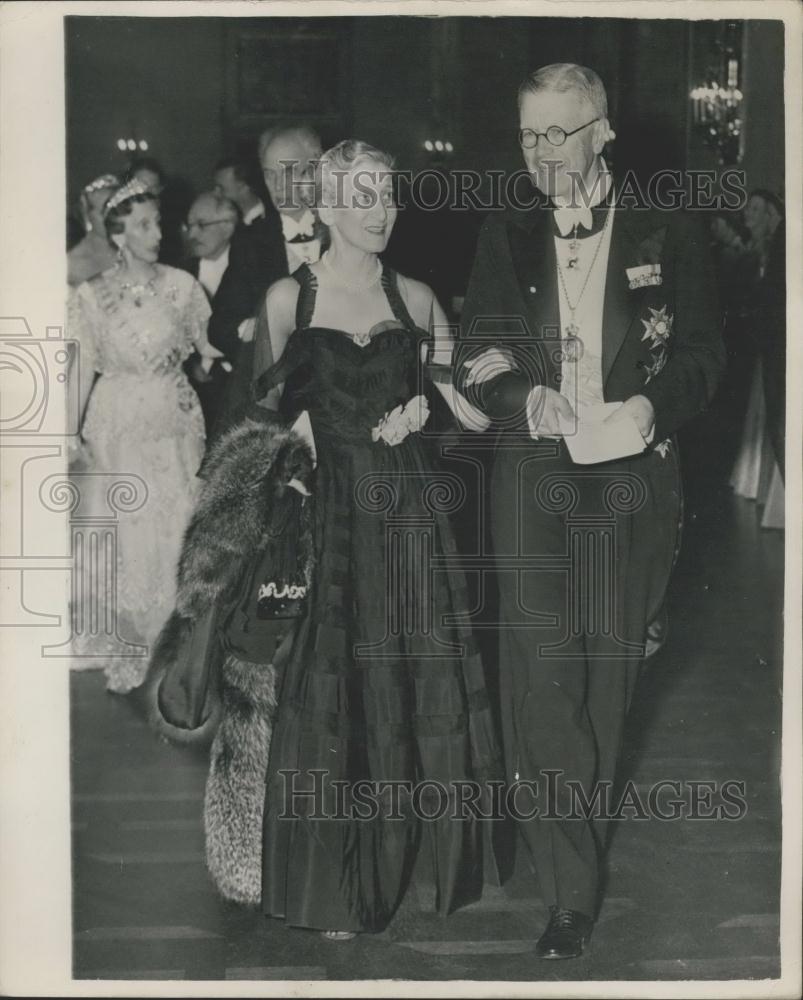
(136, 323)
(382, 684)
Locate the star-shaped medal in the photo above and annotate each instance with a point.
(658, 327)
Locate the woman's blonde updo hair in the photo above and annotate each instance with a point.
(340, 160)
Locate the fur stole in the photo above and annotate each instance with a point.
(234, 798)
(246, 488)
(247, 477)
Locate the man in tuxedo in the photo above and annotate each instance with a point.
(574, 302)
(211, 222)
(234, 180)
(210, 226)
(268, 249)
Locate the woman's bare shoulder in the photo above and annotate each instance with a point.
(418, 298)
(280, 301)
(283, 291)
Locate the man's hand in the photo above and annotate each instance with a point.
(642, 412)
(245, 331)
(544, 406)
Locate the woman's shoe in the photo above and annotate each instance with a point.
(338, 935)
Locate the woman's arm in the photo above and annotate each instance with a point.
(85, 361)
(197, 316)
(427, 313)
(468, 416)
(275, 322)
(487, 370)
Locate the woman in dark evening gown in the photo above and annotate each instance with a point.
(384, 682)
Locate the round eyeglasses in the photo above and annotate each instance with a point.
(555, 135)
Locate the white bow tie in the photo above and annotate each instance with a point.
(567, 218)
(303, 226)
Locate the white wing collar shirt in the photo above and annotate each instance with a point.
(300, 242)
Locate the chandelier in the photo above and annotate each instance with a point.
(717, 103)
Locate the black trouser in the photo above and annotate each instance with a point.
(571, 629)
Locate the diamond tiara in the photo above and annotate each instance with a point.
(101, 183)
(130, 190)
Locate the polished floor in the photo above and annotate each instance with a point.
(686, 899)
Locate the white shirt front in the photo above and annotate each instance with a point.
(581, 364)
(210, 272)
(583, 287)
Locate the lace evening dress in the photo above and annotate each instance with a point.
(143, 429)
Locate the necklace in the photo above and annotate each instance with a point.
(572, 329)
(138, 289)
(574, 247)
(352, 286)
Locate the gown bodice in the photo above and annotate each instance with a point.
(345, 387)
(140, 331)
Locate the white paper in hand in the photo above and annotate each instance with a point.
(591, 440)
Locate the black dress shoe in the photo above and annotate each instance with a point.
(566, 934)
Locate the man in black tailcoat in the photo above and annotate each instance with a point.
(268, 249)
(577, 301)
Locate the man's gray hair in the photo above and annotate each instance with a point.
(561, 77)
(304, 133)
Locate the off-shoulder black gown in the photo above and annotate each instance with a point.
(384, 682)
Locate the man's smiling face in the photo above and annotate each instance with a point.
(553, 167)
